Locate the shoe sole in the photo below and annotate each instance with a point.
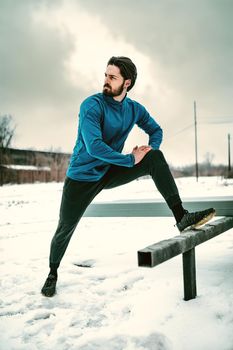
(204, 220)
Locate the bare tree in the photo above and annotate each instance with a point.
(7, 130)
(209, 158)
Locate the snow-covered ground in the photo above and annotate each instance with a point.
(112, 304)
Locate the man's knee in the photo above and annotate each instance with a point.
(155, 155)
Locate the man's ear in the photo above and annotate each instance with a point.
(127, 83)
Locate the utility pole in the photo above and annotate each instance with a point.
(229, 153)
(195, 126)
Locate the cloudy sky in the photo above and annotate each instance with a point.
(53, 54)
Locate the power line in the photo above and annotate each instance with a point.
(180, 131)
(225, 120)
(201, 121)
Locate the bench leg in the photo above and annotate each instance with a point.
(189, 274)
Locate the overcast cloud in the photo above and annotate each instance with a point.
(53, 55)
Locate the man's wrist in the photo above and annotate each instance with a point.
(133, 159)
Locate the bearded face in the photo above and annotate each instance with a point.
(114, 83)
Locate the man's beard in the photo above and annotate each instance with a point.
(111, 92)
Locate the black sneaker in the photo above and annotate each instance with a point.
(49, 288)
(196, 219)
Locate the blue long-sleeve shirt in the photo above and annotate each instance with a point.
(104, 125)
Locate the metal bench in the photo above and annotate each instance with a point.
(184, 243)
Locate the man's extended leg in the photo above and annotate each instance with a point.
(75, 199)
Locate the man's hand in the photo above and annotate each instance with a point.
(140, 152)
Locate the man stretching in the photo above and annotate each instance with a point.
(105, 120)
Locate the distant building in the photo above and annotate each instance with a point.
(25, 166)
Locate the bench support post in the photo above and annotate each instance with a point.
(189, 274)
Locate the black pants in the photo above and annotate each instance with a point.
(78, 195)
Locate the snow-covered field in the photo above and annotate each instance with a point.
(111, 304)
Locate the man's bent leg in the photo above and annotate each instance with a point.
(153, 164)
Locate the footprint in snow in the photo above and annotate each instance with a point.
(40, 316)
(86, 263)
